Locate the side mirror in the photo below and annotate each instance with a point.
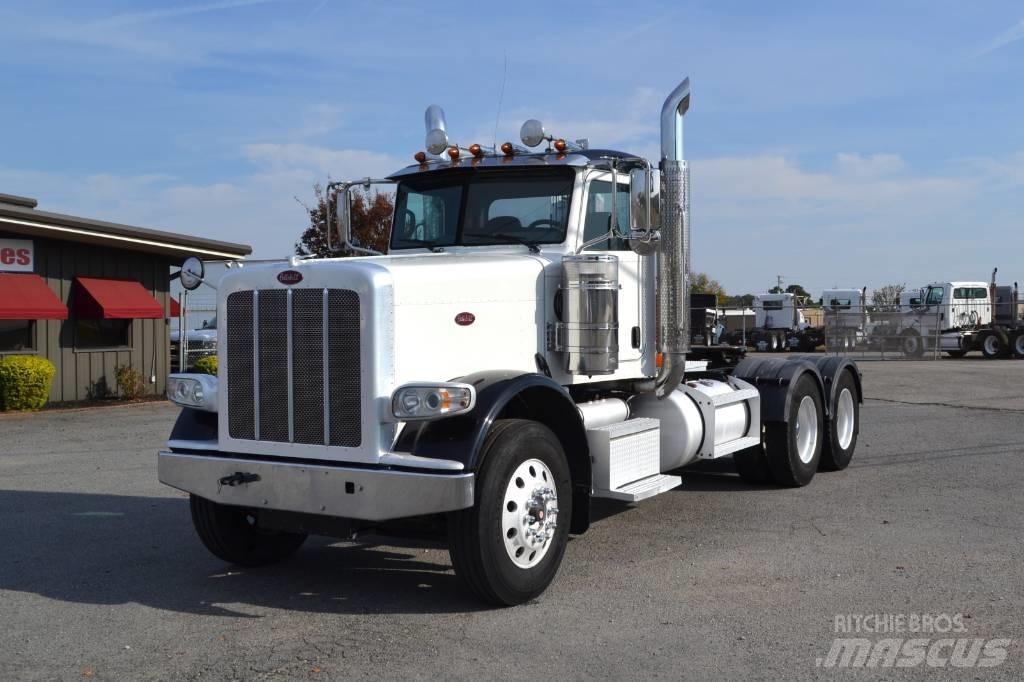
(644, 209)
(192, 273)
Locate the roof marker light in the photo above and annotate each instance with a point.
(420, 157)
(507, 149)
(453, 153)
(560, 145)
(476, 150)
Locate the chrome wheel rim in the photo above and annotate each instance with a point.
(529, 515)
(844, 418)
(806, 429)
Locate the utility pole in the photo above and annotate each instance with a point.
(779, 282)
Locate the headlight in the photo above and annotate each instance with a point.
(429, 401)
(198, 391)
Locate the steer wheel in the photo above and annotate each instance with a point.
(508, 546)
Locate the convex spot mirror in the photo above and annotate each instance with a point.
(192, 273)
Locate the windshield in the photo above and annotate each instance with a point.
(934, 296)
(479, 207)
(210, 324)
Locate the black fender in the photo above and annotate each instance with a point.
(773, 378)
(829, 366)
(195, 425)
(503, 395)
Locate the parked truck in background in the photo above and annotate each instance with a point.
(521, 350)
(780, 324)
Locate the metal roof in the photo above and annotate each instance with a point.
(18, 215)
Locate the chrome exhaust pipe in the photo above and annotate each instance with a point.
(674, 246)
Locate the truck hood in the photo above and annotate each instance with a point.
(433, 279)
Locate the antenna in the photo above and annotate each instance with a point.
(501, 97)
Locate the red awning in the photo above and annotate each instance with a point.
(175, 308)
(114, 299)
(25, 296)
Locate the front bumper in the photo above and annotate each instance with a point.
(366, 494)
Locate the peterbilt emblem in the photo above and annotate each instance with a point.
(465, 319)
(289, 277)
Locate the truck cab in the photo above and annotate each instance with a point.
(521, 349)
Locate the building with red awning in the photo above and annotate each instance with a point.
(90, 295)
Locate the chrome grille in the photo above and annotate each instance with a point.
(279, 342)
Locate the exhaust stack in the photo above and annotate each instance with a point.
(674, 247)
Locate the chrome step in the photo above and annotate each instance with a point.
(723, 449)
(642, 489)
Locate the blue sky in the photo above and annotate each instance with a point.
(832, 143)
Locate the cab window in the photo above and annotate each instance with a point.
(597, 220)
(934, 296)
(772, 305)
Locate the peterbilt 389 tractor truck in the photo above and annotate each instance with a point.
(520, 351)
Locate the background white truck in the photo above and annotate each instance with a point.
(521, 350)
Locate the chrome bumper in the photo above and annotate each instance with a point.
(367, 494)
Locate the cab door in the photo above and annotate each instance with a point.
(597, 215)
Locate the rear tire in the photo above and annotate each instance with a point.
(842, 429)
(1018, 345)
(994, 346)
(233, 534)
(752, 465)
(794, 447)
(493, 545)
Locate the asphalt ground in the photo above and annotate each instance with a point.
(102, 576)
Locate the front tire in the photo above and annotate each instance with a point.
(233, 534)
(508, 546)
(794, 447)
(912, 344)
(842, 429)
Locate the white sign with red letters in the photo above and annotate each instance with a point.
(16, 255)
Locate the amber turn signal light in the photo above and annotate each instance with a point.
(507, 149)
(420, 157)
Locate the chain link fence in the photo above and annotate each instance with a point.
(897, 332)
(194, 333)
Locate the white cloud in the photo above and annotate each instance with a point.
(1010, 35)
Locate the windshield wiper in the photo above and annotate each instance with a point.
(512, 239)
(433, 246)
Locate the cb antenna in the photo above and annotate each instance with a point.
(501, 97)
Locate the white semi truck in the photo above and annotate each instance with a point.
(780, 324)
(966, 316)
(520, 351)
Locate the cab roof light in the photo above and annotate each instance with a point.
(421, 157)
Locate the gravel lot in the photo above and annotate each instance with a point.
(101, 576)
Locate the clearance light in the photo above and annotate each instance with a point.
(659, 359)
(416, 402)
(507, 149)
(453, 152)
(476, 150)
(420, 157)
(560, 145)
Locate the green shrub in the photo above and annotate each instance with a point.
(25, 382)
(129, 381)
(206, 365)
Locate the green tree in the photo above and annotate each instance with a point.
(371, 222)
(700, 283)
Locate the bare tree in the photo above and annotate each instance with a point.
(371, 222)
(887, 297)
